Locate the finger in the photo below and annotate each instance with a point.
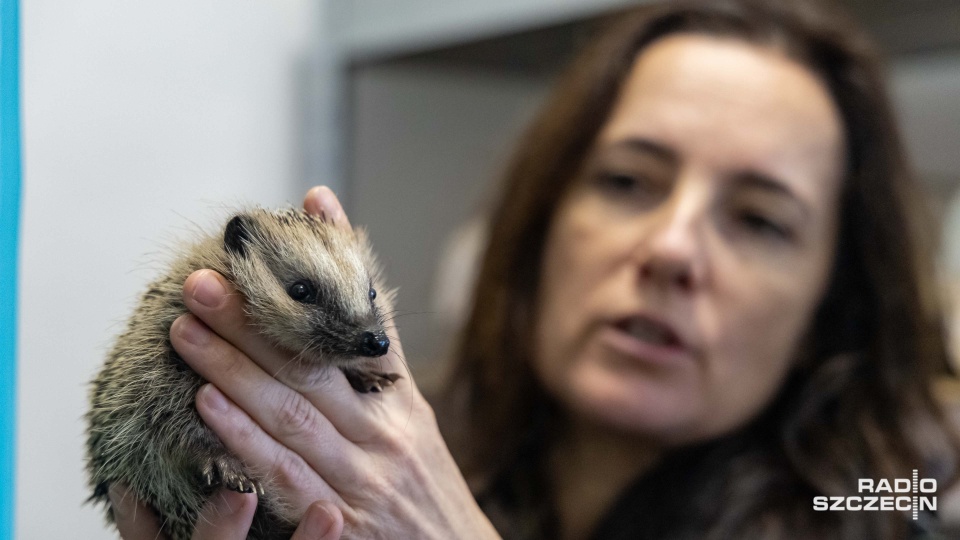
(321, 201)
(285, 414)
(322, 521)
(226, 516)
(282, 465)
(214, 300)
(135, 520)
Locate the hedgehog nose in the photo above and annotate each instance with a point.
(373, 344)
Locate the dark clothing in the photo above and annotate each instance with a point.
(715, 491)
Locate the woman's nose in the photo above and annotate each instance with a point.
(673, 252)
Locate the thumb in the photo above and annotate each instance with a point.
(321, 201)
(226, 516)
(135, 520)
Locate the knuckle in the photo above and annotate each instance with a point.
(247, 433)
(296, 416)
(393, 442)
(315, 379)
(376, 486)
(407, 461)
(289, 468)
(232, 363)
(425, 412)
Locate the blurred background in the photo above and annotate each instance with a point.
(143, 121)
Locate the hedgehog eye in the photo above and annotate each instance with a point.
(373, 294)
(302, 291)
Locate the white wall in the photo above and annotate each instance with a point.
(139, 117)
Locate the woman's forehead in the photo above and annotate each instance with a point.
(731, 105)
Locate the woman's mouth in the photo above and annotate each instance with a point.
(650, 331)
(647, 341)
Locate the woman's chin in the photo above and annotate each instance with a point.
(647, 405)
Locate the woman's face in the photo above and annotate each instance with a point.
(685, 263)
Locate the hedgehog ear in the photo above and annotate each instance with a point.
(237, 234)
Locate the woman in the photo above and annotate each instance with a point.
(705, 305)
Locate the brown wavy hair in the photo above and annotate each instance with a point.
(858, 403)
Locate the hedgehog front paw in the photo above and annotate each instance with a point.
(369, 381)
(228, 472)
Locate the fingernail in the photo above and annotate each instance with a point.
(208, 290)
(327, 199)
(214, 398)
(322, 522)
(192, 330)
(318, 193)
(328, 522)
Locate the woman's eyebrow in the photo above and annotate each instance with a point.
(764, 182)
(646, 146)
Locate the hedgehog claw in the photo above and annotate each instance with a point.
(228, 472)
(370, 381)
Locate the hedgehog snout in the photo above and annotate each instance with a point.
(373, 344)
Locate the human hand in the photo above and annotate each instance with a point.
(226, 517)
(378, 457)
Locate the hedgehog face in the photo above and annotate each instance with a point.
(309, 285)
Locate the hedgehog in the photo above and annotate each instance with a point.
(310, 287)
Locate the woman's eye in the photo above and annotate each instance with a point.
(619, 182)
(303, 291)
(761, 225)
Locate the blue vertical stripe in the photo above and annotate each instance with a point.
(9, 228)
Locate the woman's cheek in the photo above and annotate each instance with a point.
(752, 348)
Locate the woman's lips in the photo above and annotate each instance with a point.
(647, 340)
(649, 330)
